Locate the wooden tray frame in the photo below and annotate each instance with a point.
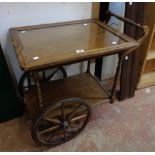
(123, 51)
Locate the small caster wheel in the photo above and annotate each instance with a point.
(61, 122)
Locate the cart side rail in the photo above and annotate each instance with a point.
(144, 29)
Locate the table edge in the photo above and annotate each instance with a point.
(22, 58)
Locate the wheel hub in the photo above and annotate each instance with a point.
(65, 124)
(63, 127)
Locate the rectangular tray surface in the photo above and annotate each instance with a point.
(43, 46)
(78, 86)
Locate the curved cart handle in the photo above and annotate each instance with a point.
(144, 29)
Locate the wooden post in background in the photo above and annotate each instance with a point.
(130, 67)
(104, 6)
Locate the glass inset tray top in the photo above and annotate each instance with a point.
(54, 44)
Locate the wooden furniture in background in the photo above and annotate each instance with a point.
(104, 7)
(131, 68)
(147, 53)
(148, 71)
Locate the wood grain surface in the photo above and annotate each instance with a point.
(78, 86)
(61, 43)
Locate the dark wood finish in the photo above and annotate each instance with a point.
(134, 12)
(104, 6)
(116, 78)
(80, 86)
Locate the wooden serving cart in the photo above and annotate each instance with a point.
(62, 105)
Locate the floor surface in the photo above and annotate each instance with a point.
(122, 126)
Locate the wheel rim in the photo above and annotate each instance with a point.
(61, 122)
(51, 76)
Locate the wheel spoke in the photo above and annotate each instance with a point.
(61, 122)
(78, 118)
(49, 129)
(52, 136)
(72, 125)
(72, 113)
(55, 121)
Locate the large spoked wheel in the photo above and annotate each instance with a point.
(26, 82)
(61, 122)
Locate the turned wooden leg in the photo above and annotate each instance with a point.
(39, 93)
(112, 96)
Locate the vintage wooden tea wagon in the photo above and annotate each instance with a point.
(60, 106)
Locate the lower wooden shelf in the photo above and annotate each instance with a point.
(147, 79)
(80, 86)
